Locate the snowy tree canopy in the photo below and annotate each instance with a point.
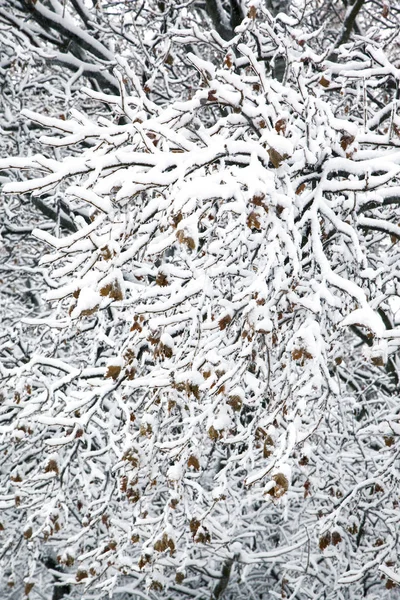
(203, 402)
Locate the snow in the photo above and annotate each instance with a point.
(174, 472)
(365, 317)
(228, 362)
(88, 300)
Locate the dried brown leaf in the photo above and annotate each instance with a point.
(253, 221)
(276, 158)
(325, 541)
(324, 82)
(194, 462)
(280, 126)
(113, 372)
(252, 12)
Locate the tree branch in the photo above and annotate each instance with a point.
(219, 19)
(349, 23)
(224, 580)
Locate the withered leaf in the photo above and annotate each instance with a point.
(324, 82)
(276, 158)
(81, 574)
(194, 524)
(224, 322)
(346, 140)
(112, 290)
(300, 189)
(89, 311)
(179, 577)
(301, 354)
(252, 13)
(28, 587)
(253, 220)
(325, 541)
(281, 486)
(280, 126)
(113, 372)
(235, 402)
(228, 61)
(336, 538)
(377, 361)
(184, 239)
(385, 10)
(268, 446)
(193, 461)
(162, 279)
(51, 467)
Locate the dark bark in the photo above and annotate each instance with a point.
(348, 26)
(237, 14)
(59, 591)
(224, 580)
(219, 19)
(65, 220)
(77, 49)
(82, 39)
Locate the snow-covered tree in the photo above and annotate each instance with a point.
(207, 404)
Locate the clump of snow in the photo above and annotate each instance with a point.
(365, 317)
(223, 421)
(174, 472)
(88, 301)
(167, 340)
